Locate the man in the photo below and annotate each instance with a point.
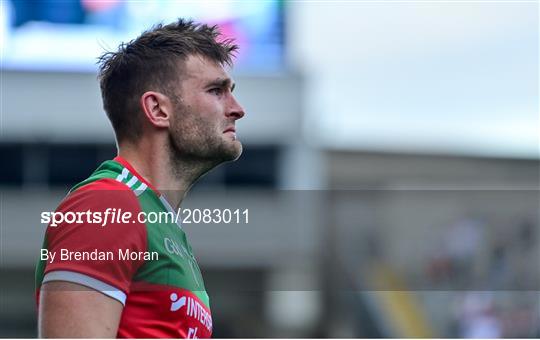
(169, 99)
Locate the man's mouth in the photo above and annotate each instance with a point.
(232, 131)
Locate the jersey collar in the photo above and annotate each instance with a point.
(131, 169)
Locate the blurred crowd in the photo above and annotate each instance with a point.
(492, 269)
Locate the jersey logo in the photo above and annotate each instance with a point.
(194, 310)
(174, 248)
(177, 303)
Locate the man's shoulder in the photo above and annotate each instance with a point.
(106, 175)
(101, 194)
(103, 184)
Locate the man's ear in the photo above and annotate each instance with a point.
(157, 108)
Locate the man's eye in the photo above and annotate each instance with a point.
(216, 91)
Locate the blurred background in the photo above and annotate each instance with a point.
(390, 166)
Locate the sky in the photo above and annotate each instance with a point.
(422, 76)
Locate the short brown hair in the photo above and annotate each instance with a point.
(151, 62)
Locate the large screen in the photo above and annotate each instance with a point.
(71, 34)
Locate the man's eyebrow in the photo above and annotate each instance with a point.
(222, 82)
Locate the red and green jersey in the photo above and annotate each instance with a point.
(152, 270)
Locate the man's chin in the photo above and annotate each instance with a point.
(231, 151)
(234, 152)
(228, 151)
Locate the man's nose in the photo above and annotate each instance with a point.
(235, 110)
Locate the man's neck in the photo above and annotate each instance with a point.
(173, 181)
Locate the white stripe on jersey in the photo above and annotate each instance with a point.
(123, 175)
(132, 181)
(140, 189)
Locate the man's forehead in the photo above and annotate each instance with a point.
(203, 69)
